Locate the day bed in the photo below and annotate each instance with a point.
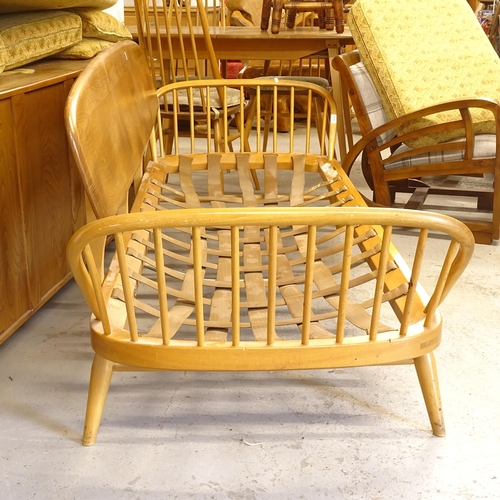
(212, 274)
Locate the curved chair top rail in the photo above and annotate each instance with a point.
(116, 112)
(179, 103)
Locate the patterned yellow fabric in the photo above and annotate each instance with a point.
(26, 5)
(3, 55)
(97, 24)
(416, 59)
(31, 36)
(86, 49)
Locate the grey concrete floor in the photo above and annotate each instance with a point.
(349, 434)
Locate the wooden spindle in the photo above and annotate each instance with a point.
(344, 283)
(127, 289)
(241, 118)
(235, 284)
(96, 284)
(226, 120)
(308, 284)
(259, 118)
(275, 120)
(198, 286)
(292, 120)
(415, 274)
(380, 282)
(308, 122)
(209, 124)
(272, 269)
(162, 286)
(440, 285)
(191, 117)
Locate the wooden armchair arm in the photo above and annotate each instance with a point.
(461, 105)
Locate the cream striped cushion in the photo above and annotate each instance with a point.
(371, 100)
(484, 147)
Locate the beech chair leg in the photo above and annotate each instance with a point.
(276, 16)
(266, 14)
(290, 18)
(100, 377)
(427, 376)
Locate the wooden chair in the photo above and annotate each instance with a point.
(171, 58)
(313, 70)
(468, 167)
(493, 33)
(175, 58)
(330, 13)
(275, 105)
(218, 276)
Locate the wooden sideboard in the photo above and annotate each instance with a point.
(41, 196)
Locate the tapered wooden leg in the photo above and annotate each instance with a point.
(100, 377)
(427, 376)
(266, 14)
(276, 16)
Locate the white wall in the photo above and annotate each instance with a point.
(117, 10)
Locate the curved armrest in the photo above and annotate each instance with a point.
(463, 106)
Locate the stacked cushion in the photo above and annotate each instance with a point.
(97, 24)
(85, 49)
(3, 55)
(33, 29)
(30, 36)
(99, 31)
(9, 6)
(416, 61)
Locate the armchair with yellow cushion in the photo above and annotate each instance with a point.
(427, 103)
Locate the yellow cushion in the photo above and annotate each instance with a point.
(25, 5)
(86, 49)
(30, 36)
(3, 55)
(97, 24)
(422, 52)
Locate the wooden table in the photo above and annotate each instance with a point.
(238, 43)
(243, 43)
